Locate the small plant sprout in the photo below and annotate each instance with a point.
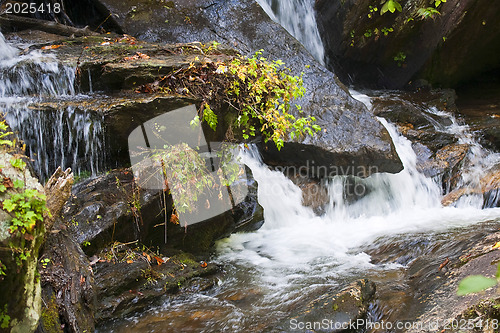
(391, 6)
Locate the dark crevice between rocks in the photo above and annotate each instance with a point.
(443, 50)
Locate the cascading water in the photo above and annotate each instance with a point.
(273, 273)
(298, 18)
(54, 137)
(298, 255)
(479, 160)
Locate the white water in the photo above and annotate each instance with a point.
(479, 160)
(6, 51)
(54, 137)
(298, 18)
(296, 249)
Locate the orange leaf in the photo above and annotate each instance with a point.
(497, 245)
(203, 264)
(174, 218)
(159, 260)
(147, 256)
(129, 261)
(51, 47)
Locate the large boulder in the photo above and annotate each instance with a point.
(350, 135)
(113, 207)
(388, 50)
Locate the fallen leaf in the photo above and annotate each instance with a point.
(159, 260)
(147, 256)
(129, 261)
(496, 246)
(174, 219)
(203, 264)
(28, 237)
(51, 47)
(446, 262)
(136, 56)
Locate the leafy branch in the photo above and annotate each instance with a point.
(261, 91)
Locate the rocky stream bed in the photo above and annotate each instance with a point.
(301, 243)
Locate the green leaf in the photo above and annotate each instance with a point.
(18, 183)
(384, 8)
(195, 122)
(18, 163)
(6, 142)
(474, 284)
(390, 6)
(9, 205)
(498, 272)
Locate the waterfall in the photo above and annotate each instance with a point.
(55, 136)
(478, 161)
(293, 240)
(298, 18)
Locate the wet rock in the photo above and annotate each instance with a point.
(314, 192)
(101, 210)
(125, 286)
(479, 105)
(445, 308)
(341, 309)
(350, 134)
(447, 163)
(417, 117)
(444, 50)
(112, 207)
(488, 187)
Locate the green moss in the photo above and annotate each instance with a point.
(50, 317)
(186, 259)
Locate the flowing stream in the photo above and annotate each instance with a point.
(273, 273)
(64, 136)
(298, 18)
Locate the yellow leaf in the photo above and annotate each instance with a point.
(497, 245)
